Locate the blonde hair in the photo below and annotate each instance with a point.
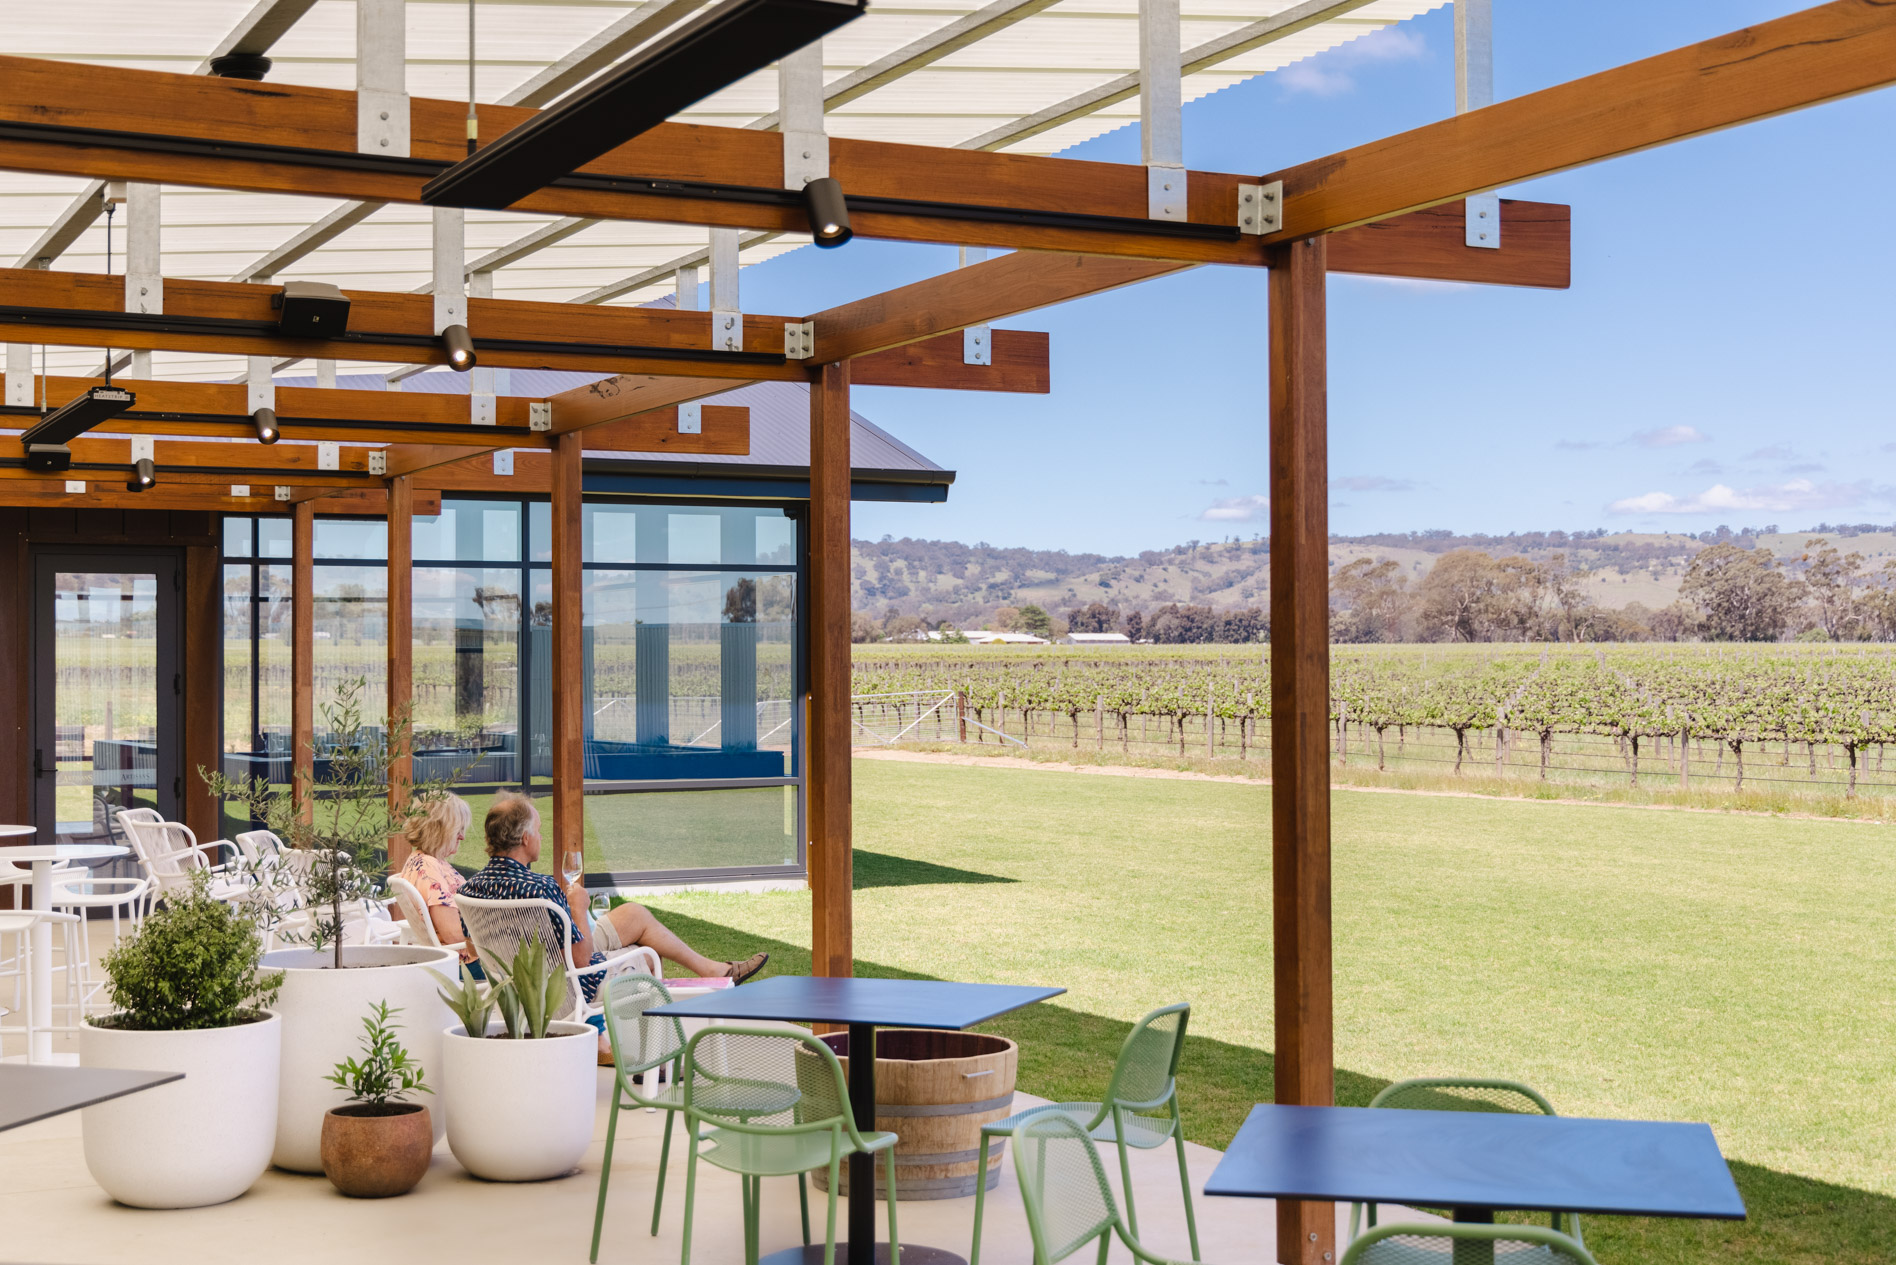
(507, 822)
(439, 830)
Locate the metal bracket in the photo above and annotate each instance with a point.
(378, 463)
(1261, 207)
(20, 375)
(977, 345)
(328, 456)
(282, 492)
(1484, 221)
(483, 410)
(240, 489)
(260, 386)
(806, 157)
(143, 449)
(691, 419)
(799, 340)
(503, 461)
(727, 331)
(1165, 193)
(76, 486)
(382, 122)
(540, 415)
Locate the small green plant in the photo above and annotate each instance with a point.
(469, 999)
(387, 1073)
(193, 964)
(527, 989)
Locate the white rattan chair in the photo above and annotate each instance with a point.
(168, 853)
(421, 928)
(497, 928)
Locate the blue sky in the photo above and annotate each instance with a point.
(1725, 355)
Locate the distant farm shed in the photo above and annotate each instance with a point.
(1096, 639)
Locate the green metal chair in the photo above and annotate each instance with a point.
(1064, 1190)
(732, 1081)
(649, 1048)
(1140, 1112)
(1462, 1243)
(1466, 1093)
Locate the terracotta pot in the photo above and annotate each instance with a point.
(371, 1153)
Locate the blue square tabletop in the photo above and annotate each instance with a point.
(891, 1003)
(1481, 1160)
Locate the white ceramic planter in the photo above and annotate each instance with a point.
(323, 1009)
(520, 1111)
(202, 1140)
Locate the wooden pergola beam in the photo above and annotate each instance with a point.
(236, 318)
(1807, 58)
(827, 744)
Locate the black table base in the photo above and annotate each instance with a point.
(912, 1254)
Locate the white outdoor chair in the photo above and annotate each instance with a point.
(18, 924)
(168, 853)
(261, 846)
(497, 928)
(421, 928)
(76, 891)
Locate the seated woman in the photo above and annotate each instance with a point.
(513, 845)
(432, 839)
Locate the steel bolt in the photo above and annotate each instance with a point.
(385, 142)
(385, 116)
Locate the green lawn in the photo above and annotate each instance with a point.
(1628, 962)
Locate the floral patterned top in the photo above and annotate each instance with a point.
(437, 881)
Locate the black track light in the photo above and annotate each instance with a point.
(823, 202)
(714, 50)
(48, 458)
(265, 420)
(459, 345)
(79, 415)
(144, 478)
(240, 66)
(311, 309)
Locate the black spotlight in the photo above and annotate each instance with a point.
(240, 66)
(144, 478)
(459, 345)
(265, 420)
(311, 309)
(829, 214)
(48, 458)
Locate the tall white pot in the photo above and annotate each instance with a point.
(322, 1011)
(202, 1140)
(520, 1111)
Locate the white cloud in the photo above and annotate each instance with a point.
(1329, 74)
(1237, 509)
(1798, 494)
(1670, 437)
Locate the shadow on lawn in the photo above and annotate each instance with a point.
(877, 869)
(1068, 1054)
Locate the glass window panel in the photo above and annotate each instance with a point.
(352, 638)
(273, 659)
(239, 731)
(696, 538)
(776, 538)
(611, 533)
(470, 531)
(365, 538)
(540, 530)
(105, 696)
(273, 537)
(686, 830)
(237, 536)
(467, 673)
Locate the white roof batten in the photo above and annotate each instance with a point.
(1023, 75)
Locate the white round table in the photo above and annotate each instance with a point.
(42, 858)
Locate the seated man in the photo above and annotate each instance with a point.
(513, 844)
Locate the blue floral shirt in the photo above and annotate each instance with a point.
(504, 878)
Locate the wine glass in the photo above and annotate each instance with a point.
(574, 868)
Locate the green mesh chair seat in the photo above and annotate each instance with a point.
(1143, 1132)
(1465, 1093)
(646, 1054)
(1063, 1189)
(741, 1119)
(1456, 1243)
(1139, 1113)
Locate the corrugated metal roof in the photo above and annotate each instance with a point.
(986, 88)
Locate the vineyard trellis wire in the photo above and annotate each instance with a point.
(1818, 718)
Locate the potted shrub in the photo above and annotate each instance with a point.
(518, 1091)
(187, 996)
(377, 1144)
(328, 985)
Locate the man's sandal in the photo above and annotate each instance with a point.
(741, 971)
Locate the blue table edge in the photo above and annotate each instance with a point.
(685, 1009)
(1211, 1187)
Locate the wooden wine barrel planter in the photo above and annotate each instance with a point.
(935, 1090)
